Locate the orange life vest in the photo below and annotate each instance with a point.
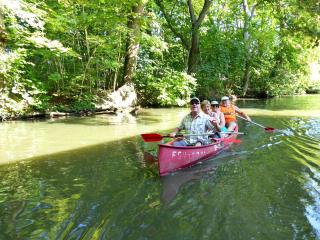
(229, 113)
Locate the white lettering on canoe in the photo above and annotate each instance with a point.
(176, 154)
(193, 155)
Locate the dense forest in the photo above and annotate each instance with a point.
(65, 55)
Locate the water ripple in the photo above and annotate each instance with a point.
(312, 208)
(306, 146)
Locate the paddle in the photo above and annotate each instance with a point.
(155, 137)
(267, 129)
(227, 140)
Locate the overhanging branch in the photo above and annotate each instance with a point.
(175, 31)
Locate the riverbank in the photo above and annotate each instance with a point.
(58, 111)
(102, 103)
(123, 100)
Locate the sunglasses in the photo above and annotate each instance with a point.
(215, 106)
(194, 102)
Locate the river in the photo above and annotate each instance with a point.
(91, 178)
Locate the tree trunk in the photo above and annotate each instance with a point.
(2, 31)
(246, 73)
(190, 43)
(194, 53)
(2, 42)
(246, 77)
(248, 15)
(133, 41)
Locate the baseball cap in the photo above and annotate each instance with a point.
(224, 98)
(194, 100)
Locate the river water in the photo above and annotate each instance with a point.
(94, 178)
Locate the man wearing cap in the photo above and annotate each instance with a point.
(196, 122)
(230, 112)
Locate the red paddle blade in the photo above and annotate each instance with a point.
(269, 129)
(151, 137)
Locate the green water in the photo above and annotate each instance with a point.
(88, 178)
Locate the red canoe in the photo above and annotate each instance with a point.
(173, 158)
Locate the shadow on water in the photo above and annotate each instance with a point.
(87, 191)
(267, 187)
(63, 195)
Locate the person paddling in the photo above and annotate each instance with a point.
(196, 122)
(230, 112)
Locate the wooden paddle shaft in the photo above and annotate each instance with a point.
(206, 134)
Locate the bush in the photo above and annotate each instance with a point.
(166, 87)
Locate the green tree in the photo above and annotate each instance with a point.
(190, 39)
(133, 40)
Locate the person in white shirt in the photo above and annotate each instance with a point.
(196, 122)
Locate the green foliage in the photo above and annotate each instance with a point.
(223, 57)
(157, 83)
(70, 49)
(76, 104)
(277, 54)
(24, 37)
(164, 87)
(83, 103)
(17, 92)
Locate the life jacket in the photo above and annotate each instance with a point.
(229, 113)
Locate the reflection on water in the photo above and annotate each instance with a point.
(172, 183)
(94, 178)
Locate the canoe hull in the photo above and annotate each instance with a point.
(173, 158)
